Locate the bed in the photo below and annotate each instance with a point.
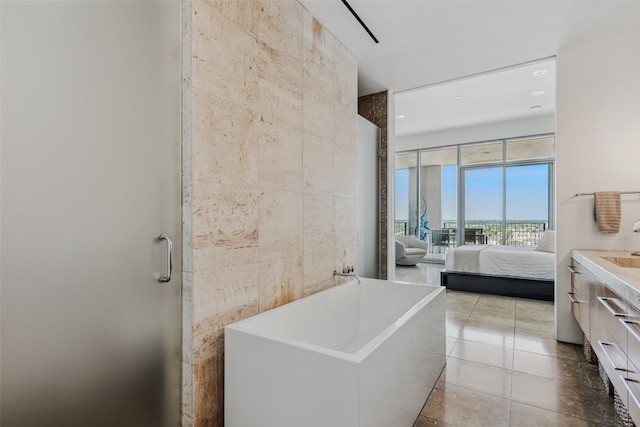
(525, 272)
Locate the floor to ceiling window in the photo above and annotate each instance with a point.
(497, 192)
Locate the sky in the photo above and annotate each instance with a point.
(526, 193)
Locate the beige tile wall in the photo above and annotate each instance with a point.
(269, 178)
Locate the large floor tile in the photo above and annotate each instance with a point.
(425, 273)
(478, 377)
(496, 303)
(505, 368)
(608, 411)
(410, 274)
(491, 320)
(556, 396)
(565, 370)
(487, 335)
(453, 329)
(543, 328)
(457, 315)
(593, 375)
(526, 308)
(451, 343)
(462, 299)
(546, 346)
(529, 416)
(487, 354)
(459, 406)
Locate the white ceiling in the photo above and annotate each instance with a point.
(498, 96)
(431, 42)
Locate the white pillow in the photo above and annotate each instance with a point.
(548, 242)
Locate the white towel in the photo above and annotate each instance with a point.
(607, 211)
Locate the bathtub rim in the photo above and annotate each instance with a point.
(355, 357)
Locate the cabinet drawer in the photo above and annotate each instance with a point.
(579, 296)
(574, 298)
(612, 309)
(632, 325)
(614, 361)
(599, 314)
(632, 390)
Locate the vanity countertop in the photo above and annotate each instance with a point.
(625, 281)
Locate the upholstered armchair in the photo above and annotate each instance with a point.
(409, 250)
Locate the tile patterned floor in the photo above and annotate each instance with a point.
(504, 368)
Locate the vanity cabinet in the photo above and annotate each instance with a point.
(612, 326)
(582, 283)
(599, 313)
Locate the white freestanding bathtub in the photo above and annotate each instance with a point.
(355, 355)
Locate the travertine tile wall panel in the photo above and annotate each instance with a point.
(270, 188)
(279, 120)
(346, 235)
(345, 136)
(346, 173)
(279, 88)
(346, 84)
(319, 44)
(230, 73)
(319, 223)
(318, 271)
(318, 94)
(208, 396)
(346, 257)
(280, 156)
(225, 148)
(281, 281)
(225, 295)
(318, 164)
(280, 224)
(246, 13)
(225, 225)
(281, 29)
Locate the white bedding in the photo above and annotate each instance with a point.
(513, 261)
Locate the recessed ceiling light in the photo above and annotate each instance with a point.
(536, 107)
(458, 96)
(539, 72)
(400, 116)
(537, 92)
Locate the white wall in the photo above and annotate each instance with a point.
(598, 148)
(368, 199)
(484, 132)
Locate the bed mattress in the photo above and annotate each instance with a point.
(510, 261)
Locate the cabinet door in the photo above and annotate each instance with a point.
(581, 283)
(632, 389)
(613, 309)
(598, 313)
(606, 311)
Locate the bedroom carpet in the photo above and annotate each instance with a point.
(504, 368)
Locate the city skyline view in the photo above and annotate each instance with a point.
(527, 193)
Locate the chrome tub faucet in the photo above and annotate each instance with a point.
(346, 272)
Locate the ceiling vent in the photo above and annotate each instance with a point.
(355, 15)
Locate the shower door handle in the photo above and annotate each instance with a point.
(167, 278)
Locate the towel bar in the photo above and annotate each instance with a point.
(622, 192)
